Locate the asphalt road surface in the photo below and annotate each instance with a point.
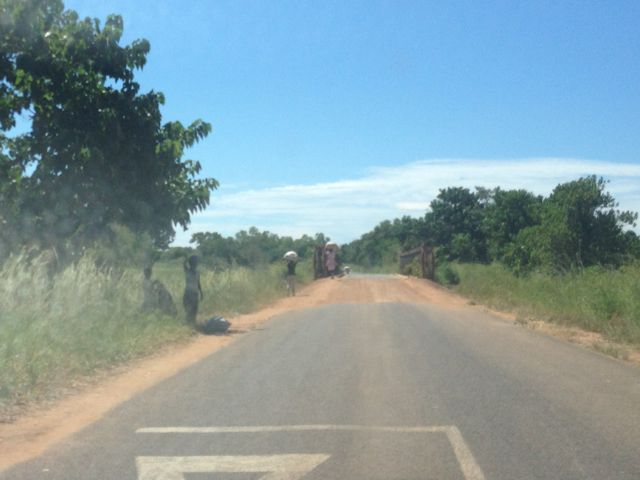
(371, 391)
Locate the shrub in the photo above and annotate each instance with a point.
(446, 274)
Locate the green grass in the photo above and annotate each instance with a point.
(596, 299)
(447, 274)
(54, 330)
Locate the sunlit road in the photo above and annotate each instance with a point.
(386, 391)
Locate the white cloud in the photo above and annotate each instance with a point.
(412, 206)
(346, 209)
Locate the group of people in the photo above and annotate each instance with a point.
(330, 264)
(157, 297)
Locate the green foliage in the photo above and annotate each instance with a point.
(56, 327)
(598, 299)
(577, 226)
(97, 152)
(412, 268)
(61, 326)
(507, 213)
(525, 253)
(120, 248)
(252, 248)
(462, 247)
(581, 227)
(382, 245)
(447, 274)
(455, 221)
(233, 290)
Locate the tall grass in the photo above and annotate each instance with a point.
(596, 299)
(232, 291)
(57, 328)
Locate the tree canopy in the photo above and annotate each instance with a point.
(81, 147)
(381, 245)
(251, 248)
(578, 225)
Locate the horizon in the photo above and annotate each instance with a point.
(419, 183)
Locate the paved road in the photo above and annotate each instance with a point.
(387, 391)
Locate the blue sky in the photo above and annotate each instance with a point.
(334, 115)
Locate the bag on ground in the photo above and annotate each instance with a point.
(215, 324)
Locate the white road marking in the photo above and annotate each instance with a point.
(468, 464)
(292, 428)
(276, 467)
(470, 468)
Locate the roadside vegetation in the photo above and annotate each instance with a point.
(93, 185)
(55, 329)
(62, 327)
(570, 258)
(597, 299)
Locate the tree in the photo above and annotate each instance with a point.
(455, 221)
(508, 212)
(252, 248)
(216, 250)
(582, 226)
(382, 245)
(579, 227)
(97, 152)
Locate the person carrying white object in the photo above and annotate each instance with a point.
(291, 255)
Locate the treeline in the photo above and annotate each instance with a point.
(380, 247)
(247, 248)
(577, 225)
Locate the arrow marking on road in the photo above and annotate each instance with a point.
(276, 467)
(470, 468)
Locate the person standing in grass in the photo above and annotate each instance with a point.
(192, 289)
(291, 277)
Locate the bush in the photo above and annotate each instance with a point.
(446, 274)
(413, 268)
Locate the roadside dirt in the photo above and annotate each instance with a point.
(38, 429)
